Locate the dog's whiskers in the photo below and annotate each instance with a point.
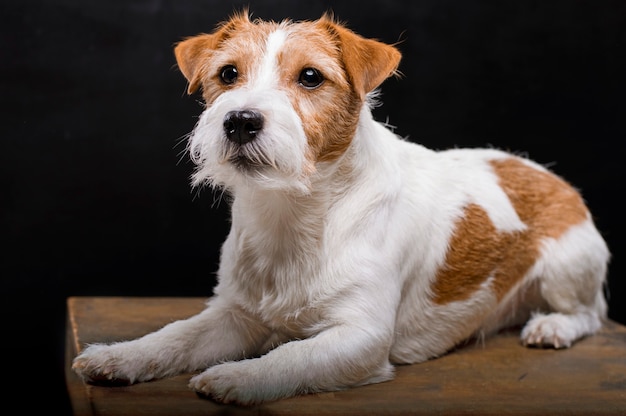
(257, 154)
(182, 141)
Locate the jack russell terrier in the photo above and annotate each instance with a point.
(352, 249)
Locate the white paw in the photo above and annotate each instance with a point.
(109, 364)
(553, 330)
(240, 382)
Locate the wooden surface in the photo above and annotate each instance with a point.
(496, 377)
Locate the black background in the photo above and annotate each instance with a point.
(95, 182)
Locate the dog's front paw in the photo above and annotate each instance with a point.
(242, 382)
(111, 364)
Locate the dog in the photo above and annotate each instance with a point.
(351, 249)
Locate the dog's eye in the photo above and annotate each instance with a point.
(310, 78)
(229, 74)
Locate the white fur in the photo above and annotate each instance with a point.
(282, 143)
(325, 278)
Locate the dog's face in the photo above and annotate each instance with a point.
(281, 98)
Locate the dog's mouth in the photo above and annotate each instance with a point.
(247, 158)
(244, 163)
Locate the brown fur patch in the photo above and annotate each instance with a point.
(330, 113)
(477, 250)
(194, 53)
(545, 202)
(367, 62)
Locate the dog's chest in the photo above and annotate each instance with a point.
(273, 260)
(279, 285)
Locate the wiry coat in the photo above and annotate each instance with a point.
(352, 249)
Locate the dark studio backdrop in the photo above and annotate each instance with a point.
(96, 197)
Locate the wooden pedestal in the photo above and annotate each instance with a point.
(497, 377)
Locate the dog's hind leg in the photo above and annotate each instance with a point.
(571, 275)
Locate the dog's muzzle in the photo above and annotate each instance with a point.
(242, 127)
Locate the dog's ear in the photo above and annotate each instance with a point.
(368, 61)
(194, 52)
(191, 54)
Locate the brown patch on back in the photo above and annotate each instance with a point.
(545, 202)
(477, 250)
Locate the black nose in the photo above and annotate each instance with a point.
(242, 126)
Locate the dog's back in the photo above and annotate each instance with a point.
(500, 238)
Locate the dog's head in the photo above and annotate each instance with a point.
(281, 98)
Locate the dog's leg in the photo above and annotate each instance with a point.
(217, 334)
(571, 276)
(351, 348)
(337, 358)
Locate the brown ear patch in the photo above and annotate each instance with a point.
(190, 56)
(477, 250)
(193, 53)
(368, 62)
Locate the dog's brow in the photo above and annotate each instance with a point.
(267, 71)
